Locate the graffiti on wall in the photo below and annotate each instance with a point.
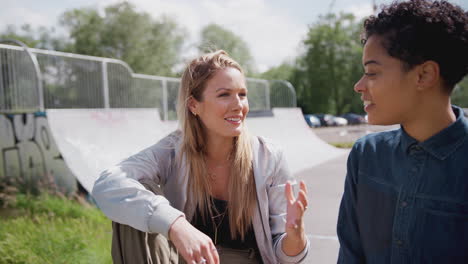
(28, 152)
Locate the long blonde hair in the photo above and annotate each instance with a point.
(241, 190)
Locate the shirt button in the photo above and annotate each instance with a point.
(414, 149)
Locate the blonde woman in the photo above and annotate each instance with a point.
(208, 193)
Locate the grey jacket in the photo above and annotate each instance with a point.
(119, 193)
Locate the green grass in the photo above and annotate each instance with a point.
(50, 229)
(343, 144)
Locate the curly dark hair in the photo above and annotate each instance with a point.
(420, 30)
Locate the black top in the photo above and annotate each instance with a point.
(221, 221)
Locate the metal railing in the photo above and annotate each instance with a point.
(35, 79)
(20, 79)
(282, 94)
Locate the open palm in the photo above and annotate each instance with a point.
(296, 207)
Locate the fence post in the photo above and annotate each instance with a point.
(165, 103)
(267, 94)
(105, 85)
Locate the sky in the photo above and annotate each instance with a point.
(273, 29)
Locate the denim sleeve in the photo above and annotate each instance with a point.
(347, 228)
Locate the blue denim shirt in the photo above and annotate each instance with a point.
(404, 201)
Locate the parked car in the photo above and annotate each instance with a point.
(354, 119)
(339, 121)
(325, 119)
(312, 120)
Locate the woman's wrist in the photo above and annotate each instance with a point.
(293, 244)
(176, 225)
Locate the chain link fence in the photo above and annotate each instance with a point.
(35, 79)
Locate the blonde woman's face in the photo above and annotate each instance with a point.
(224, 104)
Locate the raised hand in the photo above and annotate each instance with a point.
(295, 240)
(194, 246)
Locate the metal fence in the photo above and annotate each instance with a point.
(19, 80)
(282, 94)
(35, 79)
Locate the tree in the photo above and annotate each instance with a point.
(282, 72)
(214, 37)
(147, 45)
(460, 93)
(326, 73)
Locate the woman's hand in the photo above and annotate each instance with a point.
(194, 246)
(295, 240)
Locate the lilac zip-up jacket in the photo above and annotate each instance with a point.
(120, 194)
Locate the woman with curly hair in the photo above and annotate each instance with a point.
(215, 192)
(406, 190)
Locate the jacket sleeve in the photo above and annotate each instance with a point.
(277, 208)
(347, 227)
(120, 194)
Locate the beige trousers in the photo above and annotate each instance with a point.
(131, 246)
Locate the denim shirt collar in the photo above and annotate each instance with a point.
(444, 143)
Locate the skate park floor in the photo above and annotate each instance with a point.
(325, 186)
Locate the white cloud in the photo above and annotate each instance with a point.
(10, 17)
(272, 36)
(361, 10)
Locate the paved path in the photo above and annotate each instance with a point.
(325, 187)
(348, 134)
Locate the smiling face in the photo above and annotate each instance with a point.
(388, 91)
(224, 105)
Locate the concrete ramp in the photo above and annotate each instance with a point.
(84, 142)
(92, 140)
(287, 128)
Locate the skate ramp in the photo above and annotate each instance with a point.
(92, 140)
(287, 128)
